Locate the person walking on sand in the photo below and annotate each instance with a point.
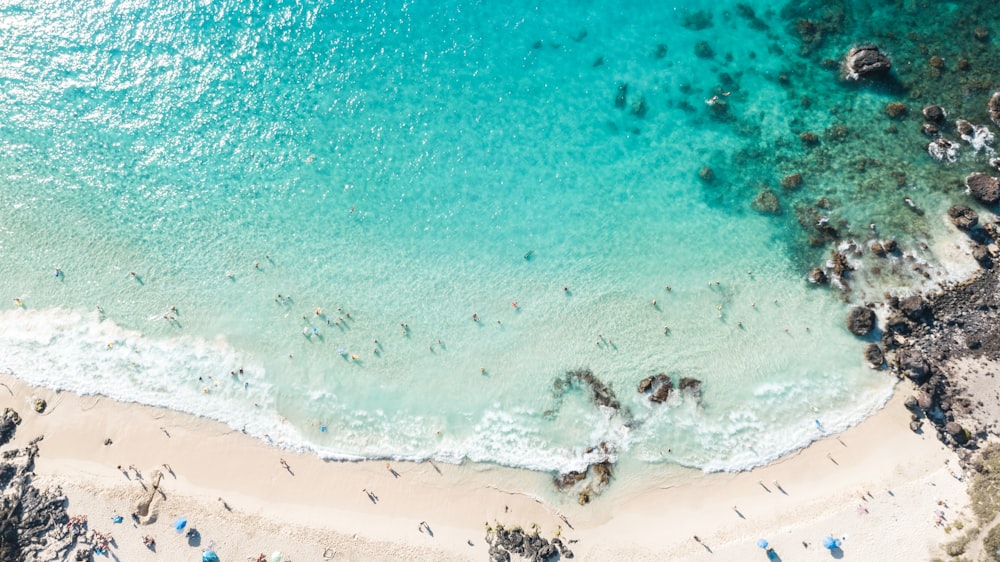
(284, 463)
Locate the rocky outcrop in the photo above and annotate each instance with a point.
(34, 524)
(984, 188)
(963, 217)
(861, 321)
(866, 62)
(913, 364)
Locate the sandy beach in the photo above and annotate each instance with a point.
(876, 486)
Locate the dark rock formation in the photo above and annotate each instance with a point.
(925, 401)
(33, 522)
(913, 364)
(690, 386)
(963, 217)
(964, 127)
(706, 174)
(897, 324)
(840, 263)
(818, 276)
(658, 387)
(993, 106)
(874, 356)
(956, 432)
(942, 149)
(8, 425)
(934, 113)
(866, 62)
(861, 321)
(914, 308)
(985, 189)
(983, 256)
(504, 542)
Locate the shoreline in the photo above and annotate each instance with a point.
(235, 491)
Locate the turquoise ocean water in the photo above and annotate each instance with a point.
(391, 169)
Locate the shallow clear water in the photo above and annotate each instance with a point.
(382, 165)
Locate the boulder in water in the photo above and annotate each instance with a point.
(934, 113)
(873, 354)
(866, 62)
(861, 321)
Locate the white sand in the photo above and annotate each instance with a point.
(318, 511)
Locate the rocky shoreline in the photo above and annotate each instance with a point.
(930, 339)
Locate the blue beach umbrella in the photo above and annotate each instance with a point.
(830, 543)
(762, 543)
(209, 556)
(180, 523)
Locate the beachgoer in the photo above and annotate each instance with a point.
(284, 463)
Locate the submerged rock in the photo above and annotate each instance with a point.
(896, 110)
(622, 95)
(861, 321)
(707, 174)
(984, 188)
(766, 203)
(866, 62)
(791, 182)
